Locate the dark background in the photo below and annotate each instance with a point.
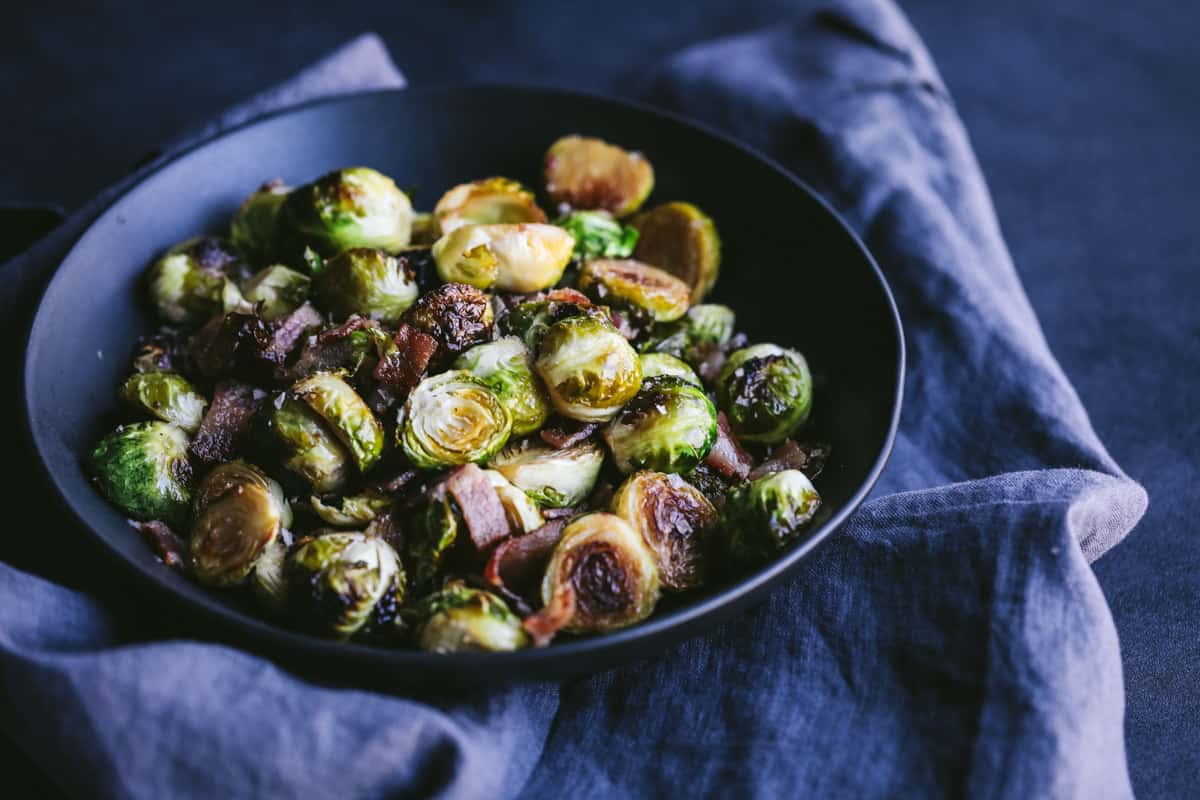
(1085, 116)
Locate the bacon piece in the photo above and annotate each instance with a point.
(330, 349)
(808, 458)
(479, 505)
(402, 368)
(562, 433)
(288, 330)
(727, 456)
(225, 423)
(517, 563)
(165, 543)
(543, 625)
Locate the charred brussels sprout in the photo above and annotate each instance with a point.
(681, 239)
(255, 227)
(277, 290)
(530, 320)
(355, 207)
(598, 235)
(367, 282)
(238, 513)
(462, 619)
(762, 517)
(346, 583)
(167, 396)
(650, 291)
(488, 201)
(766, 391)
(346, 414)
(669, 426)
(506, 366)
(553, 478)
(457, 315)
(589, 369)
(143, 469)
(351, 511)
(195, 280)
(526, 257)
(601, 577)
(451, 419)
(673, 518)
(306, 446)
(586, 173)
(656, 365)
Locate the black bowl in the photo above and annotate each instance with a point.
(793, 271)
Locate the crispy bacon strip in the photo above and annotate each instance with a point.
(479, 504)
(225, 423)
(727, 456)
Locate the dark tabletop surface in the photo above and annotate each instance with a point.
(1085, 116)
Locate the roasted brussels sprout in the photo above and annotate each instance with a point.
(673, 518)
(488, 201)
(530, 320)
(306, 446)
(669, 426)
(587, 173)
(523, 513)
(451, 419)
(601, 577)
(367, 282)
(267, 582)
(350, 419)
(655, 365)
(355, 207)
(598, 235)
(554, 478)
(524, 257)
(277, 290)
(457, 315)
(143, 469)
(430, 534)
(167, 396)
(766, 391)
(589, 369)
(650, 291)
(238, 512)
(195, 280)
(709, 325)
(255, 227)
(462, 619)
(762, 517)
(352, 511)
(681, 239)
(346, 583)
(506, 366)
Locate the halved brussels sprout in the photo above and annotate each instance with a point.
(598, 235)
(525, 257)
(601, 577)
(506, 366)
(589, 369)
(681, 239)
(669, 426)
(462, 619)
(451, 419)
(278, 291)
(195, 280)
(355, 207)
(523, 513)
(346, 583)
(167, 396)
(352, 511)
(588, 173)
(255, 228)
(307, 447)
(709, 325)
(457, 315)
(367, 282)
(347, 415)
(766, 391)
(673, 518)
(554, 478)
(430, 534)
(267, 582)
(763, 516)
(631, 284)
(530, 320)
(238, 512)
(143, 469)
(488, 201)
(655, 365)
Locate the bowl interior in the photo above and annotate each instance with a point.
(792, 271)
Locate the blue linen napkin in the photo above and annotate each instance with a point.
(949, 640)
